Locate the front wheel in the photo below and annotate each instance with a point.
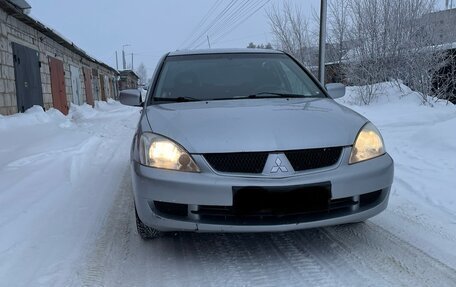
(145, 231)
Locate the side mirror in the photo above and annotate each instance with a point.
(335, 90)
(131, 97)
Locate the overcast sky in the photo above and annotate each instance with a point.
(152, 28)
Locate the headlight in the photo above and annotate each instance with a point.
(368, 144)
(160, 152)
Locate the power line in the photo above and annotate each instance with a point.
(234, 14)
(223, 22)
(212, 23)
(238, 19)
(202, 21)
(242, 21)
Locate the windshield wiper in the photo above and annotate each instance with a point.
(260, 95)
(178, 99)
(280, 95)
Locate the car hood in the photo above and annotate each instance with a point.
(255, 124)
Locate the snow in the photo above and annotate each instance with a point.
(66, 209)
(57, 175)
(421, 138)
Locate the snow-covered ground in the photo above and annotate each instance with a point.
(58, 178)
(422, 141)
(66, 210)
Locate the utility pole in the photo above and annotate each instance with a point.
(123, 59)
(208, 42)
(132, 63)
(321, 56)
(117, 62)
(124, 63)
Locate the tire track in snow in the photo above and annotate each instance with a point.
(332, 255)
(309, 269)
(250, 259)
(393, 259)
(350, 255)
(104, 255)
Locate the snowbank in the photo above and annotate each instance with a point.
(110, 105)
(33, 116)
(398, 105)
(36, 115)
(389, 93)
(84, 111)
(420, 138)
(422, 141)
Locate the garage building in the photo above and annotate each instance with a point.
(40, 67)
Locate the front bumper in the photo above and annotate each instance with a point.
(210, 189)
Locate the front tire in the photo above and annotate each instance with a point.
(145, 231)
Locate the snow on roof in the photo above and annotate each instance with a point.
(21, 4)
(128, 71)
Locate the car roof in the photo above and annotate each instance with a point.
(224, 51)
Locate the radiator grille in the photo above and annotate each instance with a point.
(313, 158)
(253, 162)
(245, 162)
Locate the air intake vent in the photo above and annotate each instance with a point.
(313, 158)
(244, 162)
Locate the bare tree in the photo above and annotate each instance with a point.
(291, 30)
(372, 41)
(394, 41)
(142, 73)
(338, 29)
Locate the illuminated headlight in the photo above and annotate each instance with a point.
(160, 152)
(368, 144)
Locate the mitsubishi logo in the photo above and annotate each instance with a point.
(278, 166)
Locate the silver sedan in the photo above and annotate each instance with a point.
(249, 141)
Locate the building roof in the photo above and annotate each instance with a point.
(21, 4)
(223, 51)
(11, 7)
(128, 72)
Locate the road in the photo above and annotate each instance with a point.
(66, 214)
(363, 254)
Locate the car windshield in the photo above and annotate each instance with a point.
(232, 76)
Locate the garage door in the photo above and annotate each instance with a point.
(76, 86)
(28, 78)
(58, 85)
(88, 85)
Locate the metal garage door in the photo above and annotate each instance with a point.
(28, 78)
(107, 88)
(88, 85)
(95, 85)
(102, 87)
(58, 85)
(76, 87)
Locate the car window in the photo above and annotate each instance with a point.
(297, 85)
(231, 76)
